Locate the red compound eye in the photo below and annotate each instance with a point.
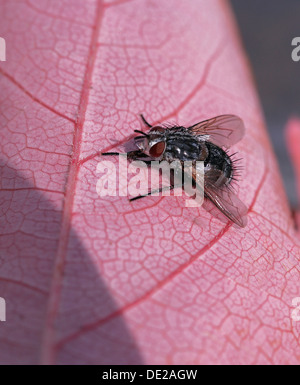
(157, 150)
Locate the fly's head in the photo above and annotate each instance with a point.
(153, 143)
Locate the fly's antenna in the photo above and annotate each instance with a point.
(145, 121)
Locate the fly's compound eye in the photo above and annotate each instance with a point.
(157, 149)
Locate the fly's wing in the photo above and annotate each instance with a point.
(227, 203)
(224, 130)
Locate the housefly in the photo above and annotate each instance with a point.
(205, 141)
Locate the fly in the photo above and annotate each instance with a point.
(205, 141)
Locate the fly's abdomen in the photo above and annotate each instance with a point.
(218, 165)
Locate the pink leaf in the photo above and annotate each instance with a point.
(100, 280)
(293, 142)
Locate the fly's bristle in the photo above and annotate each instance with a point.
(170, 125)
(230, 187)
(237, 168)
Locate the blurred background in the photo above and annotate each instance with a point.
(268, 28)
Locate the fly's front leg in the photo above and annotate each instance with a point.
(153, 192)
(137, 155)
(111, 153)
(132, 155)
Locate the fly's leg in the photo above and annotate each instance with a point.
(111, 153)
(153, 192)
(161, 189)
(134, 155)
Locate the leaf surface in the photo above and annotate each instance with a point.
(94, 280)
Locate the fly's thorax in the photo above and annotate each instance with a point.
(182, 145)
